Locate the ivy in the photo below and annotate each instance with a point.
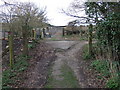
(108, 38)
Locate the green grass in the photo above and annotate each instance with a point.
(9, 75)
(113, 83)
(69, 79)
(50, 80)
(103, 67)
(85, 53)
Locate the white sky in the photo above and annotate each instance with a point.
(53, 10)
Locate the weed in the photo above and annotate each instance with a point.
(8, 76)
(85, 53)
(86, 56)
(30, 46)
(102, 66)
(113, 83)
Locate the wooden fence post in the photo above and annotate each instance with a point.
(11, 48)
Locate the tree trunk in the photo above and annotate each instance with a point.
(25, 40)
(81, 33)
(44, 33)
(90, 39)
(63, 32)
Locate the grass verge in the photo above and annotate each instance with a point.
(85, 53)
(68, 79)
(103, 67)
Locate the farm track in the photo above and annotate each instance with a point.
(67, 56)
(56, 54)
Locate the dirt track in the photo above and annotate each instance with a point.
(57, 53)
(66, 54)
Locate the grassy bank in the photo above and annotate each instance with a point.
(102, 67)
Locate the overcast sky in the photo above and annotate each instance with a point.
(53, 10)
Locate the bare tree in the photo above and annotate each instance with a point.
(21, 17)
(7, 17)
(76, 8)
(29, 17)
